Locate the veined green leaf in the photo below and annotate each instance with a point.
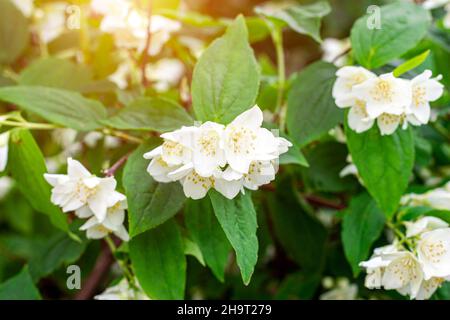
(58, 106)
(362, 225)
(238, 220)
(19, 287)
(226, 78)
(27, 166)
(149, 203)
(159, 261)
(411, 64)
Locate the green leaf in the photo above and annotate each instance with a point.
(209, 236)
(149, 203)
(159, 262)
(238, 220)
(27, 166)
(226, 78)
(56, 73)
(384, 163)
(14, 32)
(58, 106)
(302, 236)
(299, 286)
(151, 114)
(327, 160)
(304, 19)
(411, 64)
(192, 249)
(58, 250)
(311, 108)
(294, 156)
(19, 287)
(362, 225)
(403, 25)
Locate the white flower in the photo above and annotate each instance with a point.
(245, 141)
(403, 273)
(358, 118)
(196, 186)
(438, 198)
(226, 158)
(208, 153)
(165, 73)
(51, 21)
(384, 94)
(428, 287)
(110, 7)
(123, 291)
(113, 223)
(333, 49)
(376, 265)
(347, 79)
(423, 225)
(4, 141)
(161, 29)
(433, 251)
(79, 188)
(120, 76)
(424, 90)
(25, 6)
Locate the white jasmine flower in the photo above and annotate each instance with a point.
(438, 198)
(433, 250)
(113, 223)
(403, 273)
(376, 265)
(25, 6)
(226, 158)
(347, 79)
(80, 188)
(196, 186)
(110, 7)
(384, 94)
(333, 49)
(358, 118)
(120, 76)
(424, 90)
(388, 123)
(428, 287)
(424, 224)
(4, 142)
(64, 137)
(123, 291)
(51, 21)
(208, 153)
(165, 73)
(245, 141)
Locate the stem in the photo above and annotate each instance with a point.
(111, 171)
(122, 135)
(126, 271)
(147, 45)
(29, 125)
(277, 38)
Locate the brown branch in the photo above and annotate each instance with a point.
(318, 201)
(111, 171)
(104, 262)
(144, 58)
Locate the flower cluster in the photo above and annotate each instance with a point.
(438, 198)
(130, 26)
(388, 100)
(415, 265)
(92, 198)
(226, 158)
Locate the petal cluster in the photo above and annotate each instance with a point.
(416, 265)
(92, 198)
(389, 101)
(226, 158)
